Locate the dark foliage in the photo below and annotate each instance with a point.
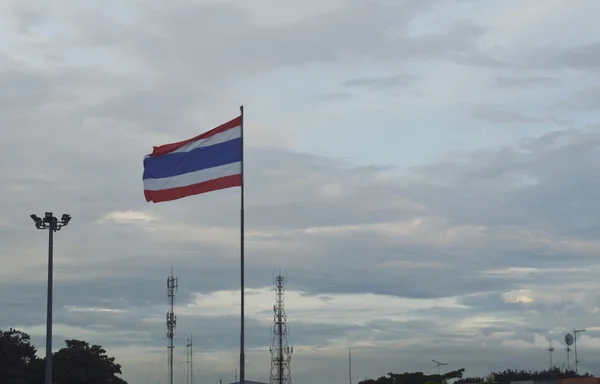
(17, 357)
(498, 377)
(415, 378)
(522, 375)
(77, 363)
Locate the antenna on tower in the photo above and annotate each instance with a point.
(550, 350)
(438, 364)
(281, 353)
(172, 284)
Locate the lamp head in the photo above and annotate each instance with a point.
(38, 221)
(65, 218)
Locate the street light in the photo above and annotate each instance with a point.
(52, 224)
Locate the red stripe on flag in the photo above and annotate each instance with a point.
(194, 189)
(166, 148)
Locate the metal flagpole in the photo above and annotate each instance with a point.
(49, 300)
(242, 354)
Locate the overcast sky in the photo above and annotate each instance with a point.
(424, 171)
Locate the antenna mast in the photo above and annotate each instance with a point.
(437, 363)
(281, 353)
(171, 320)
(350, 365)
(550, 350)
(575, 332)
(190, 361)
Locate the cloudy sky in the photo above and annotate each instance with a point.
(424, 171)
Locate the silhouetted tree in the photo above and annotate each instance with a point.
(505, 376)
(17, 358)
(509, 375)
(546, 374)
(80, 363)
(415, 378)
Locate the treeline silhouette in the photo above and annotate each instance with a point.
(77, 363)
(415, 378)
(495, 377)
(553, 373)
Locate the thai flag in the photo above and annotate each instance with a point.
(208, 162)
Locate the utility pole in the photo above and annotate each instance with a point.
(575, 332)
(52, 224)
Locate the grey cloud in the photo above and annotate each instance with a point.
(528, 81)
(381, 82)
(325, 38)
(588, 98)
(503, 116)
(550, 196)
(480, 60)
(583, 56)
(27, 16)
(20, 90)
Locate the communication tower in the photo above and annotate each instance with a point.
(171, 321)
(281, 353)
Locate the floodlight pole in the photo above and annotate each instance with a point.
(52, 224)
(49, 306)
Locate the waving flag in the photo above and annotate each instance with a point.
(208, 162)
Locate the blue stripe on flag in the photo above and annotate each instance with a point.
(174, 164)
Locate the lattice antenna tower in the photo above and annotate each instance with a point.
(281, 352)
(172, 284)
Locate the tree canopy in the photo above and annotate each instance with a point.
(17, 357)
(77, 363)
(522, 375)
(415, 378)
(495, 377)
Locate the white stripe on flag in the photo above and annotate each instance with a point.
(230, 134)
(193, 177)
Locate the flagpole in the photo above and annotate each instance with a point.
(242, 353)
